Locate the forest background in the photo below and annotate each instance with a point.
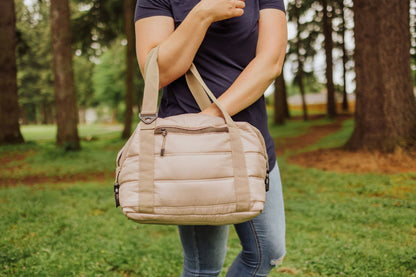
(96, 78)
(69, 83)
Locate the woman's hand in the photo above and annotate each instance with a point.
(264, 68)
(212, 110)
(217, 10)
(178, 47)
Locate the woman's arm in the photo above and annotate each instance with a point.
(178, 47)
(262, 70)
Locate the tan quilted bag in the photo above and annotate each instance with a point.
(190, 169)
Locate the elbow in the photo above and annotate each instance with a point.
(168, 74)
(271, 66)
(276, 69)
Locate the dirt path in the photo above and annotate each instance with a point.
(337, 159)
(312, 136)
(68, 178)
(356, 162)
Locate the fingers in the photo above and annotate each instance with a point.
(219, 10)
(240, 4)
(239, 7)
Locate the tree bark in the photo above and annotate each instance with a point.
(129, 30)
(300, 64)
(327, 29)
(9, 106)
(344, 61)
(66, 107)
(280, 101)
(285, 103)
(302, 93)
(385, 107)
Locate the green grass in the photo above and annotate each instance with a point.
(295, 127)
(74, 230)
(44, 159)
(354, 224)
(48, 132)
(336, 139)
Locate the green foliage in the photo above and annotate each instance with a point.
(310, 83)
(83, 71)
(108, 76)
(310, 40)
(109, 79)
(34, 60)
(96, 23)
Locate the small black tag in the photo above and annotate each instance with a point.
(116, 194)
(267, 181)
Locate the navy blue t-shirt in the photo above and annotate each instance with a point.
(228, 47)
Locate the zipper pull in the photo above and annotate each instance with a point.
(267, 181)
(116, 193)
(164, 133)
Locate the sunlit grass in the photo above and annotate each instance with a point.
(48, 132)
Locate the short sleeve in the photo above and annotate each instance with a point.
(147, 8)
(272, 4)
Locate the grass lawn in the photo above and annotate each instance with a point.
(337, 224)
(48, 132)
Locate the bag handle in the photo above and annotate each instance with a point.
(148, 117)
(197, 91)
(194, 80)
(148, 113)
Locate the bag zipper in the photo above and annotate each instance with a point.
(173, 129)
(164, 132)
(117, 190)
(267, 180)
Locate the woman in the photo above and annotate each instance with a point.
(238, 46)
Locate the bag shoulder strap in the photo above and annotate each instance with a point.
(149, 115)
(199, 89)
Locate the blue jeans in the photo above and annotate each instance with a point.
(262, 240)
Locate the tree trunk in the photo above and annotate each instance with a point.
(23, 115)
(280, 100)
(327, 29)
(129, 30)
(113, 115)
(385, 107)
(302, 93)
(66, 107)
(284, 96)
(28, 113)
(49, 113)
(300, 65)
(9, 106)
(43, 113)
(46, 112)
(344, 61)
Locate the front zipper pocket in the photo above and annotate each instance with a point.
(165, 130)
